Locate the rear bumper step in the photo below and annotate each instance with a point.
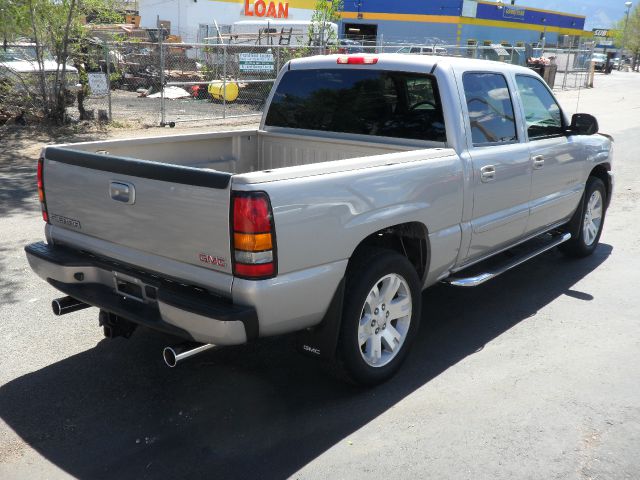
(487, 274)
(164, 305)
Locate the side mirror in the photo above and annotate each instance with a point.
(583, 124)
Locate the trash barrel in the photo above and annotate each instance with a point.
(221, 91)
(536, 67)
(550, 74)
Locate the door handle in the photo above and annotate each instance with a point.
(538, 161)
(487, 173)
(122, 192)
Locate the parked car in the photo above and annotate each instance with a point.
(424, 50)
(346, 45)
(19, 67)
(599, 60)
(369, 179)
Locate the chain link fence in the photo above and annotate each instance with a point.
(163, 83)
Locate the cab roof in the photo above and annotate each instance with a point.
(400, 61)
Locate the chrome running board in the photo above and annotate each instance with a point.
(490, 273)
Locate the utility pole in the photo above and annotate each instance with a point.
(624, 33)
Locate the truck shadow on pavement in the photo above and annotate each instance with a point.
(256, 411)
(18, 162)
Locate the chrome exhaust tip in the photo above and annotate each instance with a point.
(64, 305)
(173, 355)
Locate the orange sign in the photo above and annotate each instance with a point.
(262, 8)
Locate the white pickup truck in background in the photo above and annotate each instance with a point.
(370, 178)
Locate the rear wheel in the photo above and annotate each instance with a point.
(586, 226)
(381, 315)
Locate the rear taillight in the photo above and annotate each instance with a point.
(41, 197)
(254, 246)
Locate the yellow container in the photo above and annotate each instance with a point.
(219, 92)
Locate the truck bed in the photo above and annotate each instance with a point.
(242, 151)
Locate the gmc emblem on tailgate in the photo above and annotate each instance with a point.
(70, 222)
(210, 259)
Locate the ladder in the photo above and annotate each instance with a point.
(285, 37)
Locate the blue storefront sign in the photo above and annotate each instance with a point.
(513, 13)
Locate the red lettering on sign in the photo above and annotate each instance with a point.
(263, 9)
(247, 10)
(271, 10)
(259, 7)
(283, 10)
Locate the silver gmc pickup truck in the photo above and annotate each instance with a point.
(370, 178)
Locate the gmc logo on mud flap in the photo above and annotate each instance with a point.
(211, 260)
(307, 348)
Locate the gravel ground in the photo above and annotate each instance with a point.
(129, 107)
(533, 375)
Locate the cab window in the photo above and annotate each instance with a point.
(383, 103)
(490, 109)
(541, 111)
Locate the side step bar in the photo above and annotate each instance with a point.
(480, 278)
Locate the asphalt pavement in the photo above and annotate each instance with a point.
(533, 375)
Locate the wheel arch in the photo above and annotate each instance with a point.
(601, 171)
(410, 239)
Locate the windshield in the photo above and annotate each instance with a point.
(359, 101)
(17, 53)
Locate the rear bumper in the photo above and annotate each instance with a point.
(166, 305)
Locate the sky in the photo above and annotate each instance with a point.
(599, 13)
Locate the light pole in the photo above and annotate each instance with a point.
(624, 33)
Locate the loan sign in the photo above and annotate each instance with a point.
(266, 8)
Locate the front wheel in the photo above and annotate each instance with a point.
(586, 226)
(381, 315)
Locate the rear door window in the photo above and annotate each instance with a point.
(359, 101)
(490, 109)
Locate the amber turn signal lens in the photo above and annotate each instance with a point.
(252, 242)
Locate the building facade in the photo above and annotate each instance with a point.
(459, 22)
(451, 22)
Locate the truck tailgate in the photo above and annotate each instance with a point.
(180, 213)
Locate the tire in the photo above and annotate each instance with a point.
(375, 339)
(586, 225)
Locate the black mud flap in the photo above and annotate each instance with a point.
(321, 341)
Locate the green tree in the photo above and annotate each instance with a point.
(12, 21)
(57, 28)
(324, 13)
(627, 34)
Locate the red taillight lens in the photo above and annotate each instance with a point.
(253, 236)
(359, 60)
(254, 271)
(40, 164)
(251, 214)
(41, 197)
